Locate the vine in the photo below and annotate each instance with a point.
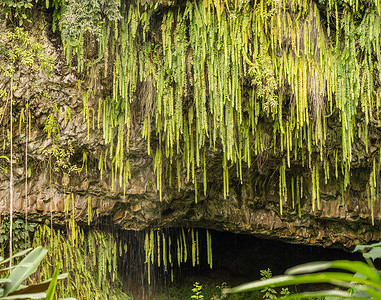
(90, 259)
(220, 70)
(260, 78)
(19, 50)
(160, 251)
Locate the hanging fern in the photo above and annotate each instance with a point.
(220, 70)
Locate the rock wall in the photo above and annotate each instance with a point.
(252, 207)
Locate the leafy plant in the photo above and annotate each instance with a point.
(363, 280)
(11, 287)
(59, 156)
(21, 234)
(90, 259)
(16, 8)
(197, 293)
(268, 292)
(81, 17)
(369, 251)
(7, 159)
(20, 50)
(210, 290)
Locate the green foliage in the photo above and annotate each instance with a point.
(166, 250)
(52, 286)
(11, 285)
(264, 81)
(256, 80)
(81, 17)
(21, 234)
(268, 292)
(210, 290)
(363, 280)
(285, 292)
(372, 251)
(86, 17)
(90, 259)
(61, 159)
(18, 9)
(4, 168)
(20, 48)
(59, 156)
(197, 292)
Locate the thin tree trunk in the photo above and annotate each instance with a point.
(11, 183)
(26, 205)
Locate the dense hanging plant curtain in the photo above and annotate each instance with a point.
(249, 78)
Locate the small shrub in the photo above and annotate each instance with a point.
(197, 293)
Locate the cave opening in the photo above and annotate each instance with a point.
(237, 259)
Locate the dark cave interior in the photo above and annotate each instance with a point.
(237, 258)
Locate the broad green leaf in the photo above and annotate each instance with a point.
(369, 290)
(4, 270)
(328, 277)
(19, 274)
(309, 267)
(26, 296)
(358, 293)
(20, 265)
(52, 286)
(357, 267)
(37, 288)
(373, 253)
(320, 294)
(16, 255)
(353, 266)
(363, 247)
